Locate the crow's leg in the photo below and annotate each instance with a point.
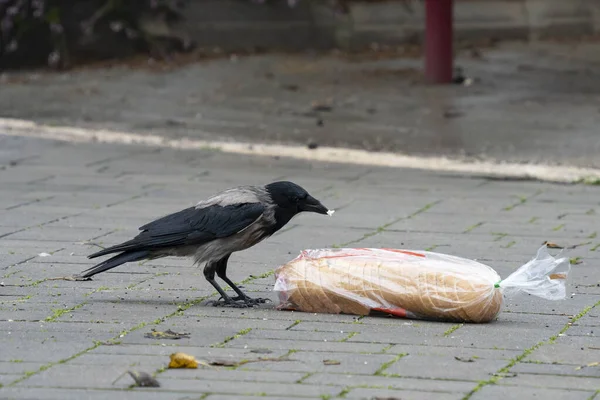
(209, 274)
(221, 270)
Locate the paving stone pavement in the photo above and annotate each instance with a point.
(72, 340)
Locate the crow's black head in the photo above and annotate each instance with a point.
(292, 199)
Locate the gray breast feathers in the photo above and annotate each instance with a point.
(245, 238)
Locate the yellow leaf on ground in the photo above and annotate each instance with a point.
(182, 360)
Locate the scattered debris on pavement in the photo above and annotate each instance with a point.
(141, 378)
(261, 351)
(74, 278)
(593, 364)
(552, 245)
(182, 360)
(237, 363)
(168, 334)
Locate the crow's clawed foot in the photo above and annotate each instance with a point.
(251, 301)
(231, 303)
(239, 302)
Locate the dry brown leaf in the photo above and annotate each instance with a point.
(73, 278)
(182, 360)
(552, 245)
(228, 363)
(464, 359)
(321, 106)
(234, 363)
(168, 334)
(331, 362)
(143, 379)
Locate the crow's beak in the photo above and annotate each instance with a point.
(313, 205)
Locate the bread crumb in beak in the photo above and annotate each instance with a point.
(330, 212)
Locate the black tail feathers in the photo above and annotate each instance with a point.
(120, 248)
(114, 262)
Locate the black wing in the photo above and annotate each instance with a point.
(191, 227)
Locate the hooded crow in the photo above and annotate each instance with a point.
(213, 229)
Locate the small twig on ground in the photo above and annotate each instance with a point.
(552, 245)
(69, 278)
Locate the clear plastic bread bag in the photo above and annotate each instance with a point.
(411, 284)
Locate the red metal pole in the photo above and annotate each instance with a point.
(438, 41)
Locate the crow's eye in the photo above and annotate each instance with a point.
(298, 198)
